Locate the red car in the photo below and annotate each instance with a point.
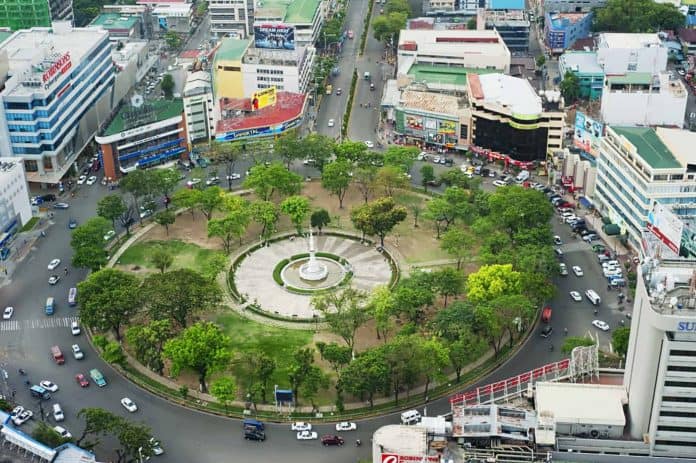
(350, 34)
(331, 440)
(81, 380)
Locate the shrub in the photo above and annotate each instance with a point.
(278, 269)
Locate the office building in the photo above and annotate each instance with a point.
(301, 19)
(456, 48)
(621, 53)
(640, 98)
(57, 95)
(637, 166)
(200, 109)
(585, 67)
(286, 70)
(231, 18)
(61, 10)
(573, 6)
(227, 68)
(512, 25)
(561, 30)
(172, 17)
(143, 134)
(15, 208)
(120, 27)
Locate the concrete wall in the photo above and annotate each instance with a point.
(616, 60)
(623, 108)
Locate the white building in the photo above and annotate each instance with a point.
(231, 18)
(287, 70)
(174, 17)
(57, 96)
(641, 98)
(660, 375)
(305, 16)
(397, 442)
(200, 110)
(619, 53)
(458, 48)
(637, 166)
(15, 208)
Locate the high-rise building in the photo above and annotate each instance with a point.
(25, 14)
(15, 209)
(231, 18)
(201, 111)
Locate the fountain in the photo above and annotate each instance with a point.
(313, 270)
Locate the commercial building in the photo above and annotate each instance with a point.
(456, 48)
(231, 18)
(57, 95)
(620, 53)
(512, 25)
(301, 19)
(119, 27)
(639, 98)
(467, 7)
(143, 134)
(585, 67)
(227, 68)
(429, 119)
(399, 443)
(173, 17)
(286, 70)
(61, 10)
(637, 166)
(561, 30)
(201, 113)
(15, 208)
(573, 6)
(25, 14)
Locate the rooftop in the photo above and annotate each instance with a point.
(687, 35)
(432, 102)
(162, 110)
(4, 35)
(582, 403)
(507, 5)
(197, 83)
(680, 143)
(492, 420)
(405, 440)
(631, 78)
(232, 49)
(111, 21)
(649, 146)
(584, 62)
(621, 40)
(561, 20)
(437, 74)
(455, 43)
(288, 107)
(190, 54)
(512, 93)
(9, 167)
(507, 17)
(288, 11)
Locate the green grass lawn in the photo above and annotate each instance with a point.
(30, 224)
(186, 255)
(278, 343)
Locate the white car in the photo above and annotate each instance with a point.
(22, 417)
(77, 352)
(331, 123)
(600, 324)
(82, 179)
(75, 328)
(16, 411)
(306, 435)
(562, 269)
(577, 271)
(7, 314)
(499, 183)
(110, 234)
(346, 426)
(557, 240)
(129, 405)
(53, 264)
(369, 144)
(192, 182)
(423, 156)
(574, 295)
(300, 426)
(92, 180)
(53, 279)
(212, 181)
(156, 447)
(64, 433)
(234, 176)
(570, 219)
(49, 385)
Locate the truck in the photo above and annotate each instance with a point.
(546, 314)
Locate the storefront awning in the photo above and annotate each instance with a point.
(611, 229)
(584, 202)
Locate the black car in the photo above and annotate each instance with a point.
(49, 197)
(449, 162)
(546, 332)
(331, 440)
(254, 434)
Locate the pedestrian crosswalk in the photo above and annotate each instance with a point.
(40, 323)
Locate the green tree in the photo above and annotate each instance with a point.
(570, 87)
(471, 24)
(173, 40)
(233, 225)
(228, 154)
(179, 295)
(458, 244)
(433, 359)
(365, 180)
(134, 440)
(165, 218)
(319, 219)
(336, 178)
(98, 423)
(48, 436)
(300, 366)
(572, 342)
(210, 200)
(224, 389)
(449, 282)
(466, 349)
(344, 312)
(386, 27)
(161, 258)
(113, 353)
(289, 148)
(187, 199)
(391, 178)
(402, 157)
(147, 342)
(398, 6)
(258, 368)
(275, 178)
(366, 376)
(518, 210)
(427, 175)
(167, 85)
(166, 182)
(314, 380)
(202, 347)
(297, 208)
(492, 281)
(266, 214)
(445, 210)
(540, 60)
(619, 339)
(637, 16)
(413, 294)
(212, 266)
(382, 306)
(108, 299)
(111, 207)
(140, 184)
(378, 217)
(353, 151)
(88, 244)
(403, 359)
(318, 148)
(337, 356)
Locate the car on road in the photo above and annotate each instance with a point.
(331, 440)
(77, 352)
(350, 34)
(562, 269)
(61, 206)
(346, 426)
(422, 156)
(53, 264)
(129, 405)
(36, 200)
(233, 176)
(193, 182)
(559, 252)
(300, 426)
(16, 411)
(53, 279)
(331, 123)
(49, 385)
(339, 91)
(82, 179)
(557, 240)
(306, 435)
(601, 325)
(369, 144)
(92, 180)
(156, 446)
(23, 417)
(81, 380)
(574, 295)
(212, 181)
(97, 377)
(62, 432)
(499, 183)
(546, 331)
(590, 237)
(72, 224)
(75, 328)
(577, 270)
(254, 434)
(110, 234)
(7, 313)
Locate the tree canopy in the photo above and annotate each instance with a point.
(637, 16)
(88, 243)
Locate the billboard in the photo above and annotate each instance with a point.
(447, 127)
(263, 98)
(414, 122)
(274, 36)
(668, 235)
(396, 458)
(588, 133)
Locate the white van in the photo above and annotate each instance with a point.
(58, 413)
(592, 295)
(522, 176)
(410, 417)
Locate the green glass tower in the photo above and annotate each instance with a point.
(24, 14)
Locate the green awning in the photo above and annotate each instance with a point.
(606, 220)
(611, 229)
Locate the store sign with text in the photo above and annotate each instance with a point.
(396, 458)
(57, 69)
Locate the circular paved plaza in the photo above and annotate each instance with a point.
(254, 277)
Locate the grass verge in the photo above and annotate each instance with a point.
(186, 255)
(29, 225)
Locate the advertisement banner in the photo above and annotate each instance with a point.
(414, 122)
(588, 133)
(263, 98)
(447, 127)
(396, 458)
(666, 226)
(274, 36)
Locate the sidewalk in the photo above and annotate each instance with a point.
(22, 245)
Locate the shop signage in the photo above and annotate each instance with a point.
(686, 326)
(60, 66)
(396, 458)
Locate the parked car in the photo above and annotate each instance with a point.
(72, 224)
(77, 352)
(7, 313)
(81, 380)
(23, 417)
(346, 426)
(577, 271)
(212, 181)
(562, 269)
(546, 331)
(61, 206)
(81, 179)
(574, 295)
(92, 180)
(110, 234)
(557, 240)
(53, 264)
(62, 432)
(49, 385)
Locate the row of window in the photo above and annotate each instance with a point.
(270, 71)
(619, 176)
(683, 353)
(269, 79)
(278, 87)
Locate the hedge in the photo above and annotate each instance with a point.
(277, 271)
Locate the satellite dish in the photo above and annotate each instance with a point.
(137, 100)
